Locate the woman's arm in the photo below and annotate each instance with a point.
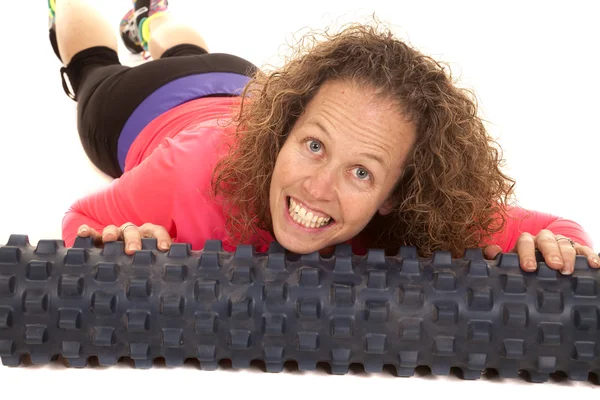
(522, 220)
(143, 194)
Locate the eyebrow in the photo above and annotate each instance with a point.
(367, 155)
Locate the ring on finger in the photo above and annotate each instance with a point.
(127, 226)
(566, 238)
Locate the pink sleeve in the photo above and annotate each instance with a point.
(143, 194)
(522, 220)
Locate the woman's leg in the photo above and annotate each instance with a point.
(79, 27)
(150, 26)
(86, 45)
(166, 33)
(116, 102)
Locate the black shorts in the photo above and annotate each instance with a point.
(115, 102)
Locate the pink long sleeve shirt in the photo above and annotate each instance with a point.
(167, 179)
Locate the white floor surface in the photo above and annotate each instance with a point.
(532, 64)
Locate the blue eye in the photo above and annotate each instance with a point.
(314, 146)
(362, 173)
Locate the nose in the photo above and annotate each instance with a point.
(321, 184)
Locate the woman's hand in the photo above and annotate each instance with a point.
(129, 233)
(559, 252)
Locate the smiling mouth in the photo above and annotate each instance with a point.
(305, 217)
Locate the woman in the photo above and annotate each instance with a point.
(357, 139)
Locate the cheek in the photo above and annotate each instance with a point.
(284, 168)
(289, 164)
(358, 207)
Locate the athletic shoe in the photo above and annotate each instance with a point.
(51, 27)
(129, 33)
(51, 11)
(134, 25)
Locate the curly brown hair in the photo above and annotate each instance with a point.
(452, 194)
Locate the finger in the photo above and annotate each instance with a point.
(525, 248)
(492, 251)
(568, 255)
(549, 247)
(131, 237)
(111, 233)
(86, 231)
(592, 257)
(159, 232)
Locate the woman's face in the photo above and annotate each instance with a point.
(337, 167)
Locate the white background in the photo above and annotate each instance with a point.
(533, 65)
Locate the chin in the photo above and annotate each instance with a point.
(293, 244)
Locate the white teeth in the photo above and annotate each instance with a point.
(306, 218)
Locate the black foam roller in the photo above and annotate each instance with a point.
(469, 313)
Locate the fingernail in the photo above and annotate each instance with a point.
(530, 265)
(83, 230)
(164, 244)
(132, 247)
(565, 271)
(596, 262)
